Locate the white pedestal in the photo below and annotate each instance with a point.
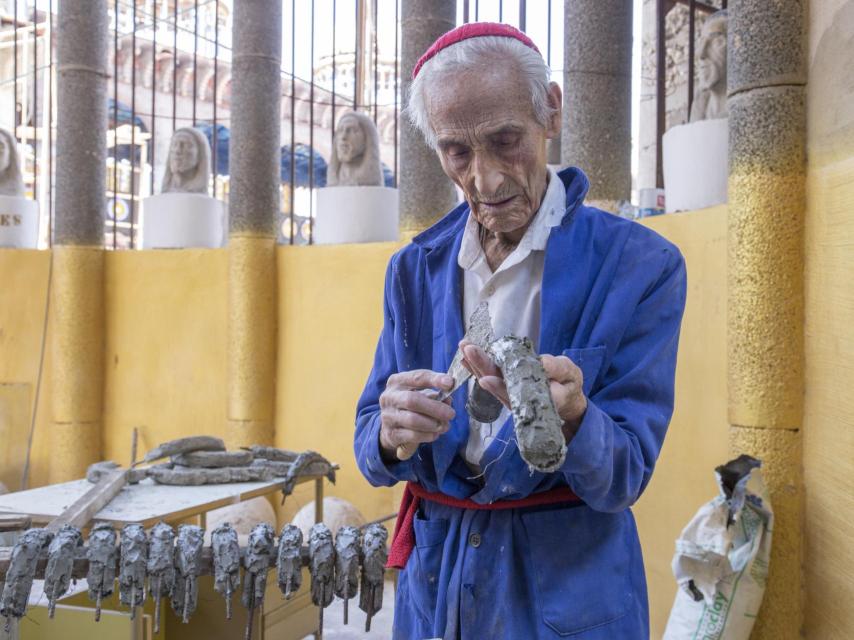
(182, 221)
(356, 214)
(19, 223)
(695, 165)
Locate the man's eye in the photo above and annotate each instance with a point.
(505, 141)
(457, 152)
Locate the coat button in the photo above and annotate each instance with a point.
(474, 540)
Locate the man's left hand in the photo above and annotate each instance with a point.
(565, 383)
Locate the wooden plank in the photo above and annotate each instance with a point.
(90, 503)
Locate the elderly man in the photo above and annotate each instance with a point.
(488, 548)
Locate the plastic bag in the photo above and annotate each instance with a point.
(721, 559)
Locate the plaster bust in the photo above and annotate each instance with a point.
(355, 153)
(710, 103)
(11, 182)
(188, 167)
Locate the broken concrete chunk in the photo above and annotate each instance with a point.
(213, 459)
(22, 570)
(188, 557)
(60, 563)
(226, 563)
(538, 427)
(133, 562)
(97, 470)
(184, 445)
(289, 561)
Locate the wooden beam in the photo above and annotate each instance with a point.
(81, 512)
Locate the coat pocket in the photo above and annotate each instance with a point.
(426, 561)
(582, 562)
(589, 360)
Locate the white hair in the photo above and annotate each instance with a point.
(474, 52)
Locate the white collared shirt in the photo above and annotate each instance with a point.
(512, 291)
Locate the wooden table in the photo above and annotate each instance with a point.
(146, 503)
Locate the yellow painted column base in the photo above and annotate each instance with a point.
(781, 614)
(252, 312)
(74, 446)
(77, 363)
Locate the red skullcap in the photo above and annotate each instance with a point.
(472, 30)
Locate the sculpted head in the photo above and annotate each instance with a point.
(487, 106)
(188, 164)
(349, 139)
(711, 53)
(355, 153)
(11, 181)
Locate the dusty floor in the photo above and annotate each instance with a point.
(335, 629)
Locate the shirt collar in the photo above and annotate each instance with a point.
(536, 235)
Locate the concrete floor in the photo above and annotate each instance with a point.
(333, 619)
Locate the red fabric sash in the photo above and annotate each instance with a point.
(403, 541)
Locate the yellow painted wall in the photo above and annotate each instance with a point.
(697, 438)
(330, 311)
(829, 327)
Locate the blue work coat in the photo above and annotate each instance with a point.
(613, 293)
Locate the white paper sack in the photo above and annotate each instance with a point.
(722, 570)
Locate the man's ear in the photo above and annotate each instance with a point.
(555, 101)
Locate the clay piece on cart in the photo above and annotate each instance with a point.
(226, 563)
(97, 470)
(307, 463)
(132, 566)
(188, 558)
(213, 459)
(374, 558)
(161, 566)
(272, 453)
(21, 572)
(347, 565)
(194, 476)
(259, 556)
(184, 445)
(103, 554)
(289, 560)
(321, 558)
(60, 564)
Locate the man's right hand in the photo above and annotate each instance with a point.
(408, 416)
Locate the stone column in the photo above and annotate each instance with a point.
(426, 193)
(766, 77)
(77, 300)
(597, 90)
(253, 206)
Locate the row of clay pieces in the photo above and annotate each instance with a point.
(353, 563)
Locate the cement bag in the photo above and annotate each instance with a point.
(721, 559)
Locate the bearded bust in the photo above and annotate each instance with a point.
(355, 153)
(11, 182)
(188, 166)
(710, 103)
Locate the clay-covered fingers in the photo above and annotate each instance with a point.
(478, 362)
(420, 379)
(497, 387)
(561, 369)
(418, 403)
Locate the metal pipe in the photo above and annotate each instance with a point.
(692, 19)
(661, 9)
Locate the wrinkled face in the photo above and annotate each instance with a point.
(5, 153)
(491, 144)
(183, 154)
(712, 55)
(349, 139)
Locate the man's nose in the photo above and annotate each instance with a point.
(487, 177)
